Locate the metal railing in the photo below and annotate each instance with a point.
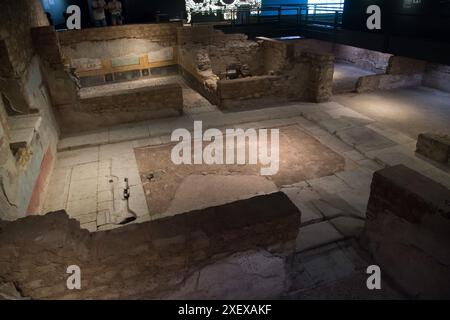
(328, 15)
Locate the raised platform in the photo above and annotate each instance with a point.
(122, 103)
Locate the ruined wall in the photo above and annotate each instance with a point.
(161, 32)
(238, 92)
(8, 170)
(146, 260)
(121, 107)
(195, 67)
(28, 118)
(222, 49)
(437, 76)
(308, 77)
(16, 49)
(276, 54)
(408, 231)
(235, 49)
(205, 53)
(77, 112)
(312, 45)
(374, 61)
(401, 72)
(101, 51)
(277, 72)
(404, 65)
(387, 82)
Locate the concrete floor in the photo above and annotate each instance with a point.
(410, 110)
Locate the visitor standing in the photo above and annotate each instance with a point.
(115, 9)
(98, 11)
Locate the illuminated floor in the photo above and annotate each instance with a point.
(169, 187)
(410, 110)
(366, 139)
(333, 206)
(345, 77)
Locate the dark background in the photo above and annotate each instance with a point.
(134, 11)
(428, 19)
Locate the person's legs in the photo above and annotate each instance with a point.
(100, 23)
(116, 19)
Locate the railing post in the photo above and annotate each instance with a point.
(336, 19)
(279, 14)
(336, 22)
(306, 14)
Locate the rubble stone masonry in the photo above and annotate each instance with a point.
(408, 231)
(144, 260)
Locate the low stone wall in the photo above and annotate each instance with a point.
(366, 59)
(434, 146)
(144, 260)
(278, 74)
(308, 77)
(276, 54)
(403, 65)
(222, 49)
(363, 58)
(401, 72)
(232, 93)
(408, 231)
(438, 77)
(387, 82)
(312, 45)
(121, 107)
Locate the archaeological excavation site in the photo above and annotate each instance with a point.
(224, 150)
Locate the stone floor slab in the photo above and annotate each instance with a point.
(330, 184)
(315, 235)
(364, 139)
